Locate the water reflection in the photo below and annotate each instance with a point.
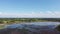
(36, 27)
(41, 25)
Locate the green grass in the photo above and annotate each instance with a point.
(1, 26)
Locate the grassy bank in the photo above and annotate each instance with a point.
(2, 26)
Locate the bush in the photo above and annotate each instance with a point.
(58, 27)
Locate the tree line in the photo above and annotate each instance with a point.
(20, 20)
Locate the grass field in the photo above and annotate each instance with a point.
(1, 26)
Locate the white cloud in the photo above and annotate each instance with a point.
(0, 13)
(47, 14)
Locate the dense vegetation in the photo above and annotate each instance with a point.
(20, 20)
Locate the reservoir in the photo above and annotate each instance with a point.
(34, 28)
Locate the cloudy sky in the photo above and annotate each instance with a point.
(30, 8)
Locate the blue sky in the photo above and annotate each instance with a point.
(30, 8)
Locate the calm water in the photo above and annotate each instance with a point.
(37, 27)
(35, 24)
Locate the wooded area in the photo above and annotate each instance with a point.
(20, 20)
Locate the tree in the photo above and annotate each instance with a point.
(58, 28)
